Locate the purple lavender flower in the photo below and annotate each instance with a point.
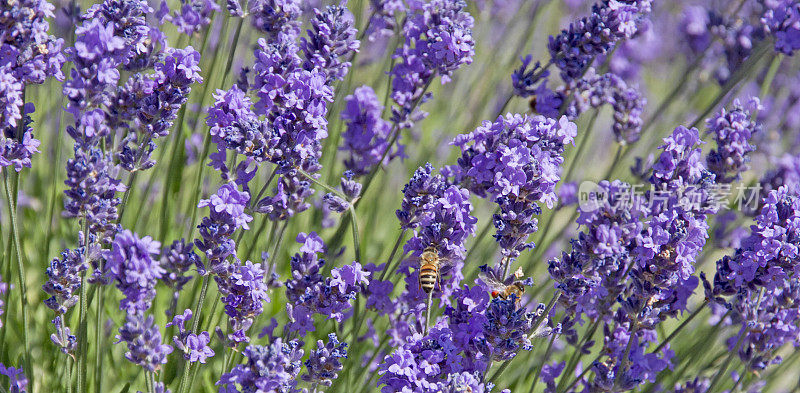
(524, 80)
(17, 381)
(29, 53)
(131, 263)
(17, 144)
(323, 363)
(194, 347)
(633, 266)
(330, 297)
(226, 215)
(515, 161)
(273, 367)
(549, 374)
(782, 19)
(732, 131)
(423, 363)
(467, 318)
(11, 98)
(576, 47)
(64, 280)
(466, 382)
(725, 41)
(591, 275)
(446, 226)
(759, 285)
(274, 17)
(384, 18)
(244, 291)
(419, 195)
(193, 16)
(335, 203)
(125, 19)
(92, 185)
(147, 106)
(331, 39)
(143, 339)
(507, 328)
(593, 91)
(367, 134)
(438, 40)
(177, 259)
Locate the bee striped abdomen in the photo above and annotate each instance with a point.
(428, 276)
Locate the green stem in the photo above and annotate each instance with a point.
(727, 362)
(98, 340)
(544, 361)
(683, 324)
(576, 355)
(392, 254)
(82, 344)
(23, 288)
(579, 377)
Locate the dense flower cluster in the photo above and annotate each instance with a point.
(366, 138)
(323, 363)
(331, 38)
(147, 105)
(574, 49)
(782, 19)
(633, 266)
(443, 313)
(28, 55)
(64, 280)
(440, 216)
(759, 285)
(310, 293)
(176, 260)
(273, 367)
(227, 214)
(244, 292)
(192, 17)
(515, 161)
(732, 131)
(125, 19)
(419, 195)
(438, 40)
(143, 339)
(288, 121)
(132, 264)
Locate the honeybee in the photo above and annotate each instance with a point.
(504, 290)
(429, 264)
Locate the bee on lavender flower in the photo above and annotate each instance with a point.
(503, 290)
(429, 264)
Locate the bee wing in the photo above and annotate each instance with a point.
(491, 282)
